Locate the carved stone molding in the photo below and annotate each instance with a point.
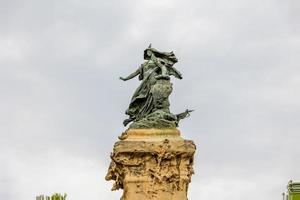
(152, 164)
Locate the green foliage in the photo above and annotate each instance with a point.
(55, 196)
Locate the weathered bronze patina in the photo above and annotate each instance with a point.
(150, 106)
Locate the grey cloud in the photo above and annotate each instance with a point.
(62, 104)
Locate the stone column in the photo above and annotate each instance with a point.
(154, 164)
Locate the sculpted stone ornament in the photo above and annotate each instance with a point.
(151, 160)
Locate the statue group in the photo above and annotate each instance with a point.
(150, 106)
(152, 161)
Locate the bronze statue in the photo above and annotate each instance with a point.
(149, 106)
(152, 160)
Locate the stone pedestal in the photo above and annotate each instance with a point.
(154, 164)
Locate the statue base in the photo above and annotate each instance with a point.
(154, 164)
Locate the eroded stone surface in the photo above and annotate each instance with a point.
(152, 164)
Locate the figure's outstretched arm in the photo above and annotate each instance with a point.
(130, 76)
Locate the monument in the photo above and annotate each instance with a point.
(151, 160)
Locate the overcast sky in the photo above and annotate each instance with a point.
(62, 104)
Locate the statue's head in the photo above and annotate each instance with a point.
(148, 52)
(163, 55)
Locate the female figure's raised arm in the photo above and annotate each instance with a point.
(132, 75)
